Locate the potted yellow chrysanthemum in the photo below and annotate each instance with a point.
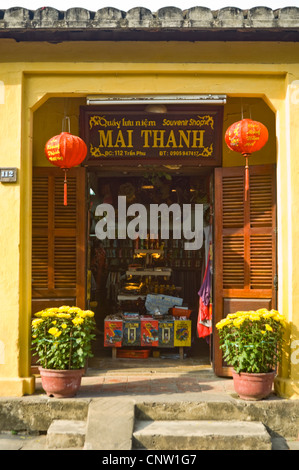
(252, 344)
(61, 338)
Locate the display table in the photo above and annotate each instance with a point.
(146, 331)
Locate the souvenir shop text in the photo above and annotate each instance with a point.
(136, 221)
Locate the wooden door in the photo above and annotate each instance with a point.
(245, 245)
(58, 239)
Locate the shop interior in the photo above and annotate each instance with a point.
(127, 276)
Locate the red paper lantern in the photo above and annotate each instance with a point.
(246, 137)
(65, 151)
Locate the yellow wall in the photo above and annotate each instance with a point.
(32, 109)
(48, 121)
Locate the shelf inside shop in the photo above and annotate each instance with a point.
(146, 251)
(131, 296)
(150, 272)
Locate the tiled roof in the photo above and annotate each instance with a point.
(171, 23)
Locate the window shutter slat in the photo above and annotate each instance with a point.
(261, 201)
(40, 263)
(233, 262)
(65, 262)
(65, 216)
(40, 202)
(233, 211)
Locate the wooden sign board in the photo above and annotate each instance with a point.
(188, 134)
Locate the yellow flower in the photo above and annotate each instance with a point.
(63, 308)
(263, 332)
(81, 314)
(261, 311)
(85, 313)
(280, 318)
(236, 314)
(39, 314)
(48, 314)
(232, 315)
(222, 323)
(78, 320)
(275, 312)
(254, 317)
(64, 326)
(267, 315)
(89, 313)
(54, 331)
(63, 315)
(269, 328)
(74, 310)
(36, 322)
(238, 322)
(54, 322)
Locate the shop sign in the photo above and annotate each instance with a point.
(176, 135)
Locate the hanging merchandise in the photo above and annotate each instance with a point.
(65, 151)
(204, 319)
(246, 137)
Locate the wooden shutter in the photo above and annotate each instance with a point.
(58, 238)
(245, 245)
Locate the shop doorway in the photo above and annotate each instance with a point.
(126, 274)
(244, 234)
(65, 270)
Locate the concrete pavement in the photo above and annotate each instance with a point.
(115, 395)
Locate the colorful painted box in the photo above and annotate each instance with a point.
(131, 333)
(149, 332)
(113, 333)
(166, 334)
(182, 333)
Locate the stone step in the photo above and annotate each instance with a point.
(66, 434)
(200, 435)
(280, 416)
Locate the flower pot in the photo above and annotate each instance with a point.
(251, 386)
(61, 383)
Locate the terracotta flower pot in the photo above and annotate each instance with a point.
(61, 383)
(250, 386)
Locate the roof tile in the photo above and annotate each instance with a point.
(168, 23)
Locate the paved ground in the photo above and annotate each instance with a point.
(113, 385)
(150, 377)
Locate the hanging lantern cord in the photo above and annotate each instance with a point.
(246, 155)
(66, 124)
(65, 187)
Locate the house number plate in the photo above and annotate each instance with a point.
(8, 175)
